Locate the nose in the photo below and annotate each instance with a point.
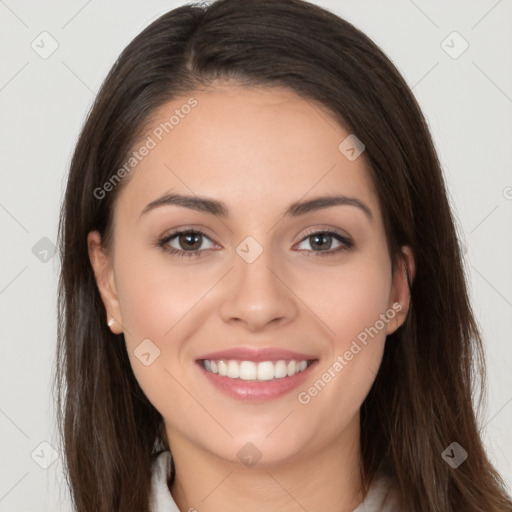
(258, 295)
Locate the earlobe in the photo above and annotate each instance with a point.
(103, 272)
(400, 297)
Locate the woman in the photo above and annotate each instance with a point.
(262, 301)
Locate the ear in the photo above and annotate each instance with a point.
(400, 297)
(105, 280)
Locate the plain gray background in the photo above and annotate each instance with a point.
(466, 98)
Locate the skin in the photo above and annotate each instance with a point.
(257, 150)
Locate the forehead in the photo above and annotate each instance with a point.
(235, 143)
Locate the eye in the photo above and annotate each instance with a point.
(320, 240)
(187, 243)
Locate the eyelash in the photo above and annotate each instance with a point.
(162, 243)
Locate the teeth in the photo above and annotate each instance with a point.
(266, 370)
(249, 370)
(233, 370)
(280, 370)
(223, 368)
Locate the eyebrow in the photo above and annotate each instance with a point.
(219, 209)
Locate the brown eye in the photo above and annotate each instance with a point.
(321, 243)
(190, 240)
(185, 243)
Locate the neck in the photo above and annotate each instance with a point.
(326, 479)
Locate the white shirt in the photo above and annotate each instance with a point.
(380, 497)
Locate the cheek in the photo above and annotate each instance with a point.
(348, 299)
(161, 302)
(156, 296)
(353, 303)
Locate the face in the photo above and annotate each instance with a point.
(289, 305)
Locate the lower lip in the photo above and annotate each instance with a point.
(257, 391)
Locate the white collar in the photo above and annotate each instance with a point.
(161, 499)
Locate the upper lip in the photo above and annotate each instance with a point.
(256, 354)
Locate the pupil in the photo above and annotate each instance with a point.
(188, 238)
(323, 237)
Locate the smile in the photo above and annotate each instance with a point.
(255, 371)
(255, 374)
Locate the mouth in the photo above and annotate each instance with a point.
(263, 371)
(256, 375)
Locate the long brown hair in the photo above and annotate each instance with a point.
(422, 398)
